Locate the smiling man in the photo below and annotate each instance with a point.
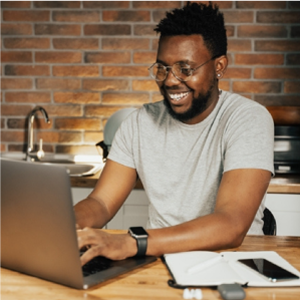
(204, 156)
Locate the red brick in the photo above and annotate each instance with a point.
(292, 87)
(293, 59)
(76, 43)
(143, 30)
(144, 57)
(295, 31)
(256, 87)
(76, 16)
(59, 137)
(144, 85)
(16, 29)
(156, 4)
(101, 110)
(12, 136)
(76, 97)
(259, 59)
(54, 29)
(15, 110)
(154, 44)
(56, 4)
(261, 4)
(105, 85)
(278, 100)
(17, 123)
(58, 84)
(130, 71)
(26, 43)
(241, 73)
(278, 45)
(237, 16)
(106, 4)
(158, 15)
(262, 31)
(114, 29)
(92, 137)
(125, 98)
(277, 73)
(15, 4)
(278, 17)
(26, 16)
(28, 97)
(58, 57)
(16, 56)
(126, 16)
(27, 70)
(107, 57)
(76, 71)
(156, 97)
(77, 124)
(125, 44)
(16, 83)
(230, 31)
(294, 4)
(239, 45)
(224, 85)
(55, 110)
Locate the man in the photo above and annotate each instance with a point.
(204, 156)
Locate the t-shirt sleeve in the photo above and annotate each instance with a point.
(249, 140)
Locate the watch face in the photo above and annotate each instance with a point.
(138, 230)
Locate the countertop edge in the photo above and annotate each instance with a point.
(279, 184)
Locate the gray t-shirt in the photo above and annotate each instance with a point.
(181, 165)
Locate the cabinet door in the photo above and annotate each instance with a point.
(286, 210)
(134, 212)
(79, 193)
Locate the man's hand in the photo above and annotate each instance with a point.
(101, 243)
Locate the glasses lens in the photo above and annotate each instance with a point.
(182, 72)
(158, 72)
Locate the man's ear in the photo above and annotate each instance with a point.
(221, 64)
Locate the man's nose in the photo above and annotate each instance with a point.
(171, 79)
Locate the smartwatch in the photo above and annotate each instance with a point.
(141, 236)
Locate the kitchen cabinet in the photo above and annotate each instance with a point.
(134, 212)
(286, 210)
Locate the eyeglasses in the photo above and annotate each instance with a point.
(182, 71)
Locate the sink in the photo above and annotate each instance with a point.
(76, 165)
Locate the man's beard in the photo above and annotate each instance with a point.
(198, 106)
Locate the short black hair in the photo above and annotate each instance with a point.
(197, 18)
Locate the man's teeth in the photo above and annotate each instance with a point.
(177, 97)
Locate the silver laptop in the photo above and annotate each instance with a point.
(38, 227)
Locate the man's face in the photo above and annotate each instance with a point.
(190, 101)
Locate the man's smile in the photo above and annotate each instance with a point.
(178, 96)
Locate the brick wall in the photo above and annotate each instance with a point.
(84, 60)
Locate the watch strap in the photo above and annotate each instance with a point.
(142, 246)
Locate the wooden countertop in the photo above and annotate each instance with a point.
(150, 282)
(281, 184)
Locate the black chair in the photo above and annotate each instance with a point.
(269, 227)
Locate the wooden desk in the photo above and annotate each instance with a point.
(150, 282)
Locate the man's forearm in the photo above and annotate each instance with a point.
(211, 232)
(90, 213)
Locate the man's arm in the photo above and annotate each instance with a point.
(239, 196)
(113, 187)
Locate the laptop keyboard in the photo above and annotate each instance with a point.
(96, 265)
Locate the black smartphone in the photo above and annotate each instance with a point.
(273, 272)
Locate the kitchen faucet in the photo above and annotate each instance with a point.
(31, 154)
